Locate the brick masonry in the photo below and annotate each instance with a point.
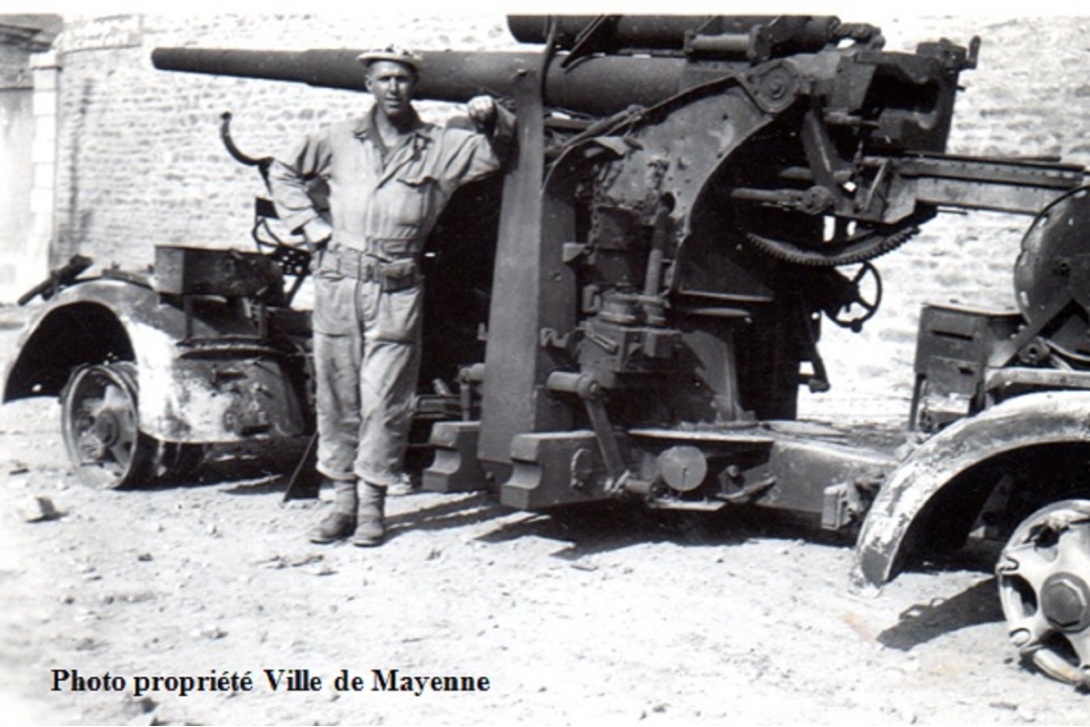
(139, 161)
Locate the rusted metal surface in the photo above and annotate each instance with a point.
(1020, 424)
(953, 347)
(783, 465)
(1004, 185)
(203, 376)
(198, 271)
(751, 38)
(534, 224)
(1052, 277)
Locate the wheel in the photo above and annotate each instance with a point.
(1044, 587)
(99, 419)
(868, 297)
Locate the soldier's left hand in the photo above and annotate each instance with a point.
(482, 110)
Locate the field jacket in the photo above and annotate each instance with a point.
(383, 201)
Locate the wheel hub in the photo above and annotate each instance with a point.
(1065, 601)
(91, 448)
(98, 436)
(106, 428)
(100, 421)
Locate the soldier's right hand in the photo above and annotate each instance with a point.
(317, 231)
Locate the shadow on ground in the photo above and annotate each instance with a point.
(606, 526)
(926, 621)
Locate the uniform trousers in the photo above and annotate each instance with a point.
(366, 362)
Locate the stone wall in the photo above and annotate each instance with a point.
(1028, 97)
(25, 126)
(139, 161)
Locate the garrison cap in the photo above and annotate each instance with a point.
(394, 53)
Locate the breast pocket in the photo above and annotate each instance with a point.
(415, 199)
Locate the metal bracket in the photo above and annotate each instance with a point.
(590, 392)
(549, 338)
(841, 506)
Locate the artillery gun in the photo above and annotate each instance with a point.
(631, 311)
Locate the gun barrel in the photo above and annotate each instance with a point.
(632, 31)
(737, 36)
(597, 85)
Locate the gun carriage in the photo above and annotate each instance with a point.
(631, 311)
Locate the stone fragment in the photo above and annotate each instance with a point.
(36, 509)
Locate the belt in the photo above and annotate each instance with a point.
(392, 275)
(385, 248)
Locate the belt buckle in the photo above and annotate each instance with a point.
(360, 268)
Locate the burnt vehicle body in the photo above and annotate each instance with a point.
(152, 368)
(1004, 396)
(630, 312)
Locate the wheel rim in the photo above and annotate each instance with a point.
(1044, 587)
(101, 425)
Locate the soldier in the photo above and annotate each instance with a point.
(389, 176)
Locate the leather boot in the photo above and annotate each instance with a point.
(340, 523)
(371, 531)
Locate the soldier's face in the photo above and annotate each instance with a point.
(392, 85)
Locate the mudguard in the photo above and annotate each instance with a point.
(1032, 420)
(208, 379)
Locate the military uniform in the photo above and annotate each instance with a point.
(368, 288)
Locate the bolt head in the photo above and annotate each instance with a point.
(1065, 599)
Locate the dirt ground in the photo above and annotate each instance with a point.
(600, 617)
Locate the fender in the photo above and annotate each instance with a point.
(943, 466)
(212, 382)
(91, 321)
